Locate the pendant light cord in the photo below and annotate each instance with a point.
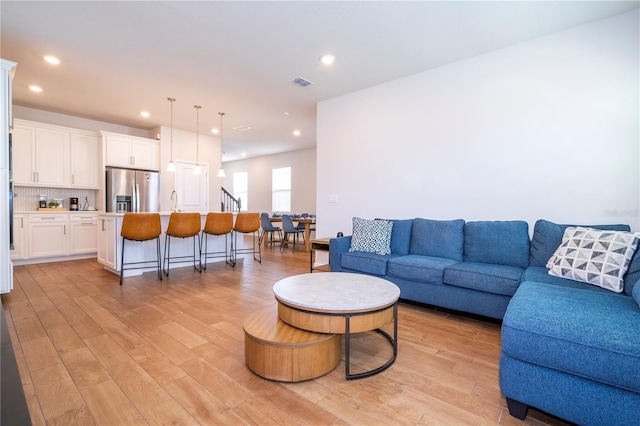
(172, 100)
(197, 107)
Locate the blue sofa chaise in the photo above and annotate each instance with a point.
(569, 348)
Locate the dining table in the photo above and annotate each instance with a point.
(307, 221)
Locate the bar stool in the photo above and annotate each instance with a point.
(182, 225)
(246, 223)
(217, 223)
(140, 227)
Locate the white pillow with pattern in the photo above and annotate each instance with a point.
(594, 256)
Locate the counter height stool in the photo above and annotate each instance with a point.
(182, 225)
(246, 223)
(217, 223)
(140, 227)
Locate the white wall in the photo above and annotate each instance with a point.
(303, 179)
(544, 129)
(185, 150)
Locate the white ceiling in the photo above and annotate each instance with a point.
(238, 57)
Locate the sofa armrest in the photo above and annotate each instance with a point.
(337, 246)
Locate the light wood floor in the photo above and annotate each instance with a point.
(172, 352)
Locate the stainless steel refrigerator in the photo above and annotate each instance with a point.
(129, 190)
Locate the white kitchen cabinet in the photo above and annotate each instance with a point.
(84, 233)
(107, 241)
(20, 223)
(84, 160)
(130, 151)
(40, 155)
(48, 235)
(23, 152)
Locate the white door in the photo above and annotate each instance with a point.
(192, 189)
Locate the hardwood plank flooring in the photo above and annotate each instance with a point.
(90, 351)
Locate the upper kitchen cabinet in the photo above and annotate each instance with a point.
(130, 151)
(40, 155)
(54, 156)
(84, 160)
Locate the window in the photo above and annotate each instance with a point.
(241, 189)
(281, 189)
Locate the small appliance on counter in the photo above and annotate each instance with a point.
(73, 204)
(54, 205)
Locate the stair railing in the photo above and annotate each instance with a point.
(228, 203)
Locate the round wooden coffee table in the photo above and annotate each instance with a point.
(342, 303)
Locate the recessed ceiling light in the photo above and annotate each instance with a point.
(242, 128)
(296, 133)
(243, 154)
(286, 113)
(145, 114)
(216, 131)
(52, 60)
(36, 89)
(327, 59)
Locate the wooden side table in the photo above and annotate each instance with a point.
(278, 351)
(319, 244)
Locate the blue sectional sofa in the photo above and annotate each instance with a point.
(569, 348)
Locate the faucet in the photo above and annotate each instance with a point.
(174, 203)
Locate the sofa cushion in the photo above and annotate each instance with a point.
(419, 268)
(400, 235)
(490, 278)
(585, 333)
(636, 294)
(547, 236)
(499, 242)
(438, 238)
(368, 263)
(371, 236)
(594, 256)
(540, 274)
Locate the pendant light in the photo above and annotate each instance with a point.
(197, 170)
(221, 171)
(172, 166)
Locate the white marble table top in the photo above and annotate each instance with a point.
(336, 292)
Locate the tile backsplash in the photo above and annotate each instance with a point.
(26, 198)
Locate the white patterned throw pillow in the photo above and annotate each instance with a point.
(594, 256)
(371, 236)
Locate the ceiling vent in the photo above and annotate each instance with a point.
(241, 128)
(301, 82)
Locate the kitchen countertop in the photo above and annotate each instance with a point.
(160, 213)
(54, 212)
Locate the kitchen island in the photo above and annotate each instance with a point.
(110, 244)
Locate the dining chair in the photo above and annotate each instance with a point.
(141, 227)
(302, 225)
(217, 224)
(289, 228)
(182, 225)
(268, 228)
